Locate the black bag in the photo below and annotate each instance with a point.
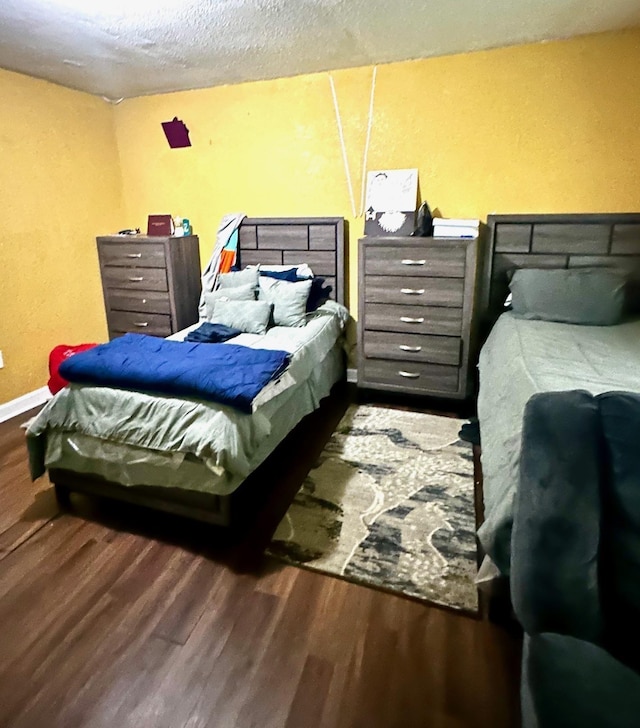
(424, 224)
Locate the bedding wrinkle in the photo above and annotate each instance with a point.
(525, 363)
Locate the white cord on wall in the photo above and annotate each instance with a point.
(342, 144)
(343, 147)
(366, 144)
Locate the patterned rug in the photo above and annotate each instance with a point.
(389, 504)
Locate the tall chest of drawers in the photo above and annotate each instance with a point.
(415, 315)
(151, 285)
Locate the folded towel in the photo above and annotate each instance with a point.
(212, 333)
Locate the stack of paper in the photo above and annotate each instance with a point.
(455, 228)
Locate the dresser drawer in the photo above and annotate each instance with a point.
(141, 301)
(154, 324)
(411, 376)
(413, 347)
(147, 255)
(412, 290)
(446, 260)
(142, 279)
(413, 319)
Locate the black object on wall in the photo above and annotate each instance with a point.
(176, 132)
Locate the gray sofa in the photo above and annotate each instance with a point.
(575, 561)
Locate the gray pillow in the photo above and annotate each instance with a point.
(289, 300)
(239, 293)
(246, 277)
(252, 317)
(593, 297)
(235, 293)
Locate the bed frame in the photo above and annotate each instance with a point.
(557, 241)
(317, 241)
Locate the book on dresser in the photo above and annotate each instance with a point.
(455, 227)
(151, 284)
(416, 323)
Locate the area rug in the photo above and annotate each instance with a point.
(389, 504)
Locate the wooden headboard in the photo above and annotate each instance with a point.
(557, 241)
(317, 241)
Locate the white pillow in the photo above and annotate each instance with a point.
(239, 293)
(246, 277)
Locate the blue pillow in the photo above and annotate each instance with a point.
(318, 294)
(290, 275)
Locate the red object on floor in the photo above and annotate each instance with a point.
(56, 357)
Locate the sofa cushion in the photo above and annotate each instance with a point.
(571, 683)
(556, 532)
(620, 549)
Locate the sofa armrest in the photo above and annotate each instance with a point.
(571, 683)
(620, 541)
(556, 532)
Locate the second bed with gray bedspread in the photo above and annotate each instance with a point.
(521, 358)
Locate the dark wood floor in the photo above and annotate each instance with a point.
(113, 616)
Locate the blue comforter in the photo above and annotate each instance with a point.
(224, 373)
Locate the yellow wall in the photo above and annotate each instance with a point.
(60, 186)
(539, 128)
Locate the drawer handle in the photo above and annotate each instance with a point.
(136, 279)
(141, 324)
(408, 261)
(134, 255)
(409, 320)
(404, 347)
(412, 291)
(408, 375)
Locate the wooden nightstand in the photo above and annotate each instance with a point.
(416, 329)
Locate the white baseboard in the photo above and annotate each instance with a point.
(352, 376)
(23, 404)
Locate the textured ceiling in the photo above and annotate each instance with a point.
(123, 48)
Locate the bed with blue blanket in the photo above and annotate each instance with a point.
(179, 368)
(180, 425)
